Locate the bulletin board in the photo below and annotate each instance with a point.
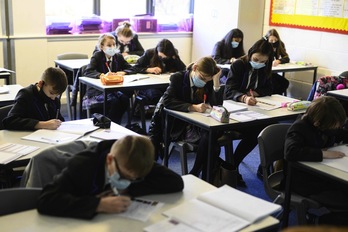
(320, 15)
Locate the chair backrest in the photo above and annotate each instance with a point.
(71, 55)
(3, 114)
(14, 200)
(271, 146)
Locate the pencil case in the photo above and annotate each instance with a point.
(299, 105)
(220, 114)
(111, 79)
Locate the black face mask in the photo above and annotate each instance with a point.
(44, 97)
(275, 44)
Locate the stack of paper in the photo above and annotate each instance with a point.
(232, 106)
(223, 209)
(12, 151)
(51, 136)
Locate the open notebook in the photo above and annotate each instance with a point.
(67, 132)
(12, 151)
(222, 209)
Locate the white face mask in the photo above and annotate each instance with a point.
(110, 51)
(234, 44)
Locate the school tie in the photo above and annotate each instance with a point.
(198, 95)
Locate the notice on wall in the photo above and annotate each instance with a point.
(321, 15)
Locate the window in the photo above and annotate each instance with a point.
(98, 16)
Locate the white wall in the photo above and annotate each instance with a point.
(327, 50)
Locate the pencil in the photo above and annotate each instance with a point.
(57, 114)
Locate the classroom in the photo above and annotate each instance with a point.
(26, 49)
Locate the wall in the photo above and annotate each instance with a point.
(214, 18)
(327, 50)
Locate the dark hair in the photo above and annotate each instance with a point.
(56, 78)
(206, 65)
(167, 48)
(280, 49)
(125, 30)
(264, 48)
(228, 50)
(325, 113)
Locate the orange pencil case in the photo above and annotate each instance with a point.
(111, 79)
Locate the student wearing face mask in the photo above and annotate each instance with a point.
(107, 61)
(279, 83)
(127, 42)
(230, 48)
(38, 105)
(227, 50)
(194, 90)
(164, 58)
(250, 77)
(104, 177)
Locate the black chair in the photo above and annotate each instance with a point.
(271, 145)
(71, 56)
(15, 200)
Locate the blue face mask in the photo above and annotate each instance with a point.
(234, 44)
(198, 82)
(257, 65)
(110, 51)
(118, 183)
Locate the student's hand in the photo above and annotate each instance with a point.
(275, 63)
(113, 204)
(52, 124)
(201, 108)
(251, 101)
(216, 77)
(155, 70)
(333, 154)
(125, 54)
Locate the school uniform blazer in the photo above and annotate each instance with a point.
(237, 80)
(223, 56)
(134, 46)
(30, 108)
(283, 57)
(98, 66)
(73, 192)
(178, 97)
(170, 65)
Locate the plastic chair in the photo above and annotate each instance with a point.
(15, 200)
(271, 145)
(184, 148)
(71, 56)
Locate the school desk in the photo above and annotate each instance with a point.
(8, 98)
(150, 81)
(31, 220)
(213, 126)
(288, 67)
(7, 136)
(316, 168)
(71, 66)
(6, 76)
(341, 94)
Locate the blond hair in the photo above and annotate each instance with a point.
(136, 153)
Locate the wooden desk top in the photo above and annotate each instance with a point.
(32, 221)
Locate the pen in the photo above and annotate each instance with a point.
(107, 65)
(57, 114)
(204, 98)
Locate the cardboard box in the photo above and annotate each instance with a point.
(144, 24)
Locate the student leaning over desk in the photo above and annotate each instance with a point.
(107, 61)
(104, 177)
(163, 58)
(194, 90)
(322, 126)
(250, 77)
(279, 83)
(38, 105)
